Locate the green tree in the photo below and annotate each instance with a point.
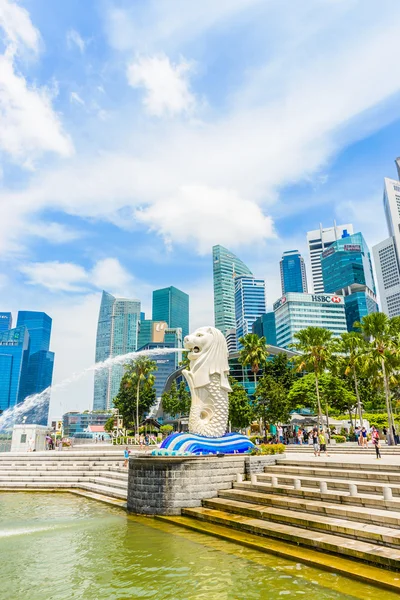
(136, 392)
(253, 353)
(382, 355)
(314, 344)
(272, 404)
(281, 370)
(109, 424)
(332, 390)
(240, 409)
(177, 401)
(352, 349)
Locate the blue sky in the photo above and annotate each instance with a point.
(135, 134)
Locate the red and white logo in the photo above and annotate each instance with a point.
(336, 299)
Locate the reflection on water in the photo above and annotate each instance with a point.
(59, 546)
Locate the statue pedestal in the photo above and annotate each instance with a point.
(190, 443)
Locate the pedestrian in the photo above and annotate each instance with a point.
(300, 436)
(376, 442)
(280, 434)
(322, 441)
(357, 434)
(364, 439)
(315, 442)
(126, 456)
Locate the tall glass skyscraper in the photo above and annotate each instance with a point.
(14, 362)
(249, 303)
(293, 272)
(172, 305)
(347, 271)
(226, 266)
(117, 334)
(264, 326)
(5, 321)
(39, 375)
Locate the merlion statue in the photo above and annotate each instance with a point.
(208, 382)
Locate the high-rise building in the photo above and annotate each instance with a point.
(226, 266)
(249, 303)
(231, 341)
(294, 312)
(172, 306)
(264, 326)
(14, 362)
(5, 321)
(117, 334)
(318, 241)
(39, 375)
(387, 253)
(347, 271)
(388, 276)
(293, 272)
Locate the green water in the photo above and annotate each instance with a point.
(62, 546)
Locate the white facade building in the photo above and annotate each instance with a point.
(386, 253)
(294, 312)
(319, 240)
(231, 341)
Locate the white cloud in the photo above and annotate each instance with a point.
(74, 38)
(200, 216)
(75, 97)
(17, 26)
(166, 84)
(28, 124)
(56, 276)
(107, 273)
(54, 233)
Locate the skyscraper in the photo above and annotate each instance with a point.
(117, 334)
(14, 361)
(264, 326)
(347, 271)
(387, 253)
(39, 374)
(225, 267)
(171, 305)
(249, 303)
(293, 272)
(5, 321)
(319, 240)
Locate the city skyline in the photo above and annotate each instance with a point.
(125, 184)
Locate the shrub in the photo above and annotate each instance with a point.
(166, 429)
(266, 449)
(340, 439)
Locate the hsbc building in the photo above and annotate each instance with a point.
(295, 311)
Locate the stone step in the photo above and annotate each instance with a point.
(104, 490)
(355, 530)
(106, 481)
(370, 487)
(320, 463)
(361, 514)
(364, 551)
(123, 476)
(338, 496)
(376, 476)
(42, 485)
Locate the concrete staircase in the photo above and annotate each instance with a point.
(94, 472)
(316, 506)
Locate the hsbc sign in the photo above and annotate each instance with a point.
(327, 299)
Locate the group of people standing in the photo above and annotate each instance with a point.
(361, 434)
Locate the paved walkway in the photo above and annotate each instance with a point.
(357, 457)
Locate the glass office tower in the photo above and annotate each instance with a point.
(172, 305)
(117, 334)
(249, 303)
(14, 361)
(264, 326)
(293, 272)
(39, 375)
(226, 266)
(347, 271)
(5, 321)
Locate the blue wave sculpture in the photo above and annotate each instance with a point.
(190, 443)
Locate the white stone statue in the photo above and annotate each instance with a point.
(208, 381)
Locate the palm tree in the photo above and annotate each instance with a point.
(382, 352)
(142, 370)
(352, 347)
(254, 353)
(315, 346)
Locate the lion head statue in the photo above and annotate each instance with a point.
(208, 354)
